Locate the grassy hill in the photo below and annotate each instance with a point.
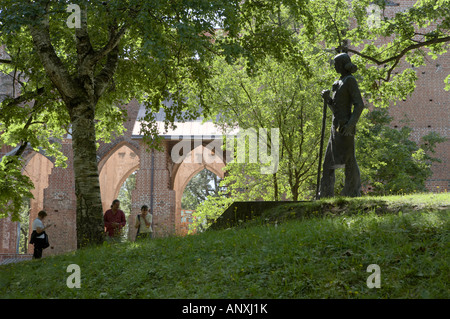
(289, 252)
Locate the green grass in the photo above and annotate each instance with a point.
(289, 256)
(348, 206)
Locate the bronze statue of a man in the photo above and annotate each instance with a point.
(340, 150)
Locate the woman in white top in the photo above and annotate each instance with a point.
(39, 237)
(144, 224)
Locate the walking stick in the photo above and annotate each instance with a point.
(324, 118)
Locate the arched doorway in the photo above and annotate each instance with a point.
(185, 171)
(125, 199)
(115, 168)
(117, 172)
(202, 185)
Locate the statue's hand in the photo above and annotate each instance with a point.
(347, 130)
(326, 95)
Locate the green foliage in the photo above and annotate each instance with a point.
(281, 97)
(24, 225)
(209, 210)
(447, 83)
(278, 96)
(201, 186)
(125, 200)
(275, 94)
(163, 50)
(408, 41)
(390, 162)
(14, 186)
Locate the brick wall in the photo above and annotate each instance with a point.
(428, 109)
(8, 236)
(60, 205)
(163, 195)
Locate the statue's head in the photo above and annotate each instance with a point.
(343, 64)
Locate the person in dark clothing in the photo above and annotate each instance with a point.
(38, 236)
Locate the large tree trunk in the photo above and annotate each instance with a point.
(275, 187)
(81, 93)
(87, 186)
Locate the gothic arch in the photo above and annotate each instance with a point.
(210, 168)
(124, 178)
(198, 149)
(38, 168)
(114, 169)
(105, 157)
(185, 171)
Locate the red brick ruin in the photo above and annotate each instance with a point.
(427, 109)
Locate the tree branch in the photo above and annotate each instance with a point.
(114, 39)
(336, 27)
(106, 74)
(83, 42)
(403, 52)
(52, 63)
(24, 143)
(14, 77)
(25, 97)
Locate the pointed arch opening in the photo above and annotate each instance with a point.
(115, 170)
(202, 185)
(185, 172)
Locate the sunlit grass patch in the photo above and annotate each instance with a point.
(316, 257)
